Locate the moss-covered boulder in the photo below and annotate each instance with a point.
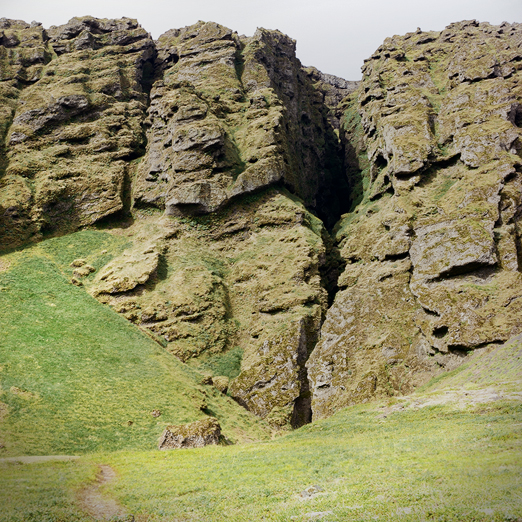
(193, 435)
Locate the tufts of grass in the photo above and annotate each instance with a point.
(227, 363)
(43, 492)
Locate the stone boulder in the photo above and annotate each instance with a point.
(193, 435)
(133, 268)
(221, 383)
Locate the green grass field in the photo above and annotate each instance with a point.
(76, 378)
(437, 463)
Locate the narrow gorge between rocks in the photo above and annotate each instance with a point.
(305, 242)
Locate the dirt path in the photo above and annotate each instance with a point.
(99, 506)
(39, 458)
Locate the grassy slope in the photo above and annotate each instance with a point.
(447, 462)
(440, 463)
(78, 378)
(437, 463)
(498, 369)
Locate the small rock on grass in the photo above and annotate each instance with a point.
(221, 383)
(84, 271)
(193, 435)
(207, 379)
(311, 491)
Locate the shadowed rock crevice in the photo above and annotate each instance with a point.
(332, 268)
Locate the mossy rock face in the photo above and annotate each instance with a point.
(229, 116)
(245, 279)
(272, 382)
(432, 245)
(194, 136)
(72, 123)
(224, 261)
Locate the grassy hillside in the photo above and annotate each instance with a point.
(76, 377)
(440, 463)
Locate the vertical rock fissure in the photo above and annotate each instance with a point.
(4, 130)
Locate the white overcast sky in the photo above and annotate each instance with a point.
(333, 35)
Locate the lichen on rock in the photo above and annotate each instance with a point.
(432, 244)
(246, 277)
(229, 116)
(229, 161)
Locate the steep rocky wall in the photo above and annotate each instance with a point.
(219, 155)
(72, 110)
(203, 139)
(433, 150)
(231, 115)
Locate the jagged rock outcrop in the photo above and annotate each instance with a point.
(246, 277)
(432, 141)
(228, 118)
(73, 104)
(231, 115)
(222, 153)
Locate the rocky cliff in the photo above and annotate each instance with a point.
(73, 103)
(432, 244)
(226, 165)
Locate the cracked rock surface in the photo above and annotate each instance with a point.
(432, 141)
(72, 107)
(230, 115)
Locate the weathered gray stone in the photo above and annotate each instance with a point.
(231, 116)
(194, 435)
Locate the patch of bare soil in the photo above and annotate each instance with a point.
(4, 265)
(458, 397)
(99, 506)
